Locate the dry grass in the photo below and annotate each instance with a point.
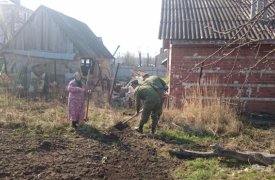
(37, 116)
(103, 117)
(213, 114)
(50, 117)
(215, 117)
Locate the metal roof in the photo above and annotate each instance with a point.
(213, 20)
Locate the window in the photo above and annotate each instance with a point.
(87, 64)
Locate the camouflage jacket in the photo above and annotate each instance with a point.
(157, 83)
(147, 94)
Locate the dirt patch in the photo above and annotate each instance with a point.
(116, 155)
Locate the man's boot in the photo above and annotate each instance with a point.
(139, 129)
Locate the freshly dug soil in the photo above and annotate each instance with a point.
(114, 155)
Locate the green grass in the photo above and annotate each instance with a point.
(200, 169)
(217, 168)
(213, 168)
(181, 137)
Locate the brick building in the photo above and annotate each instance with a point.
(230, 41)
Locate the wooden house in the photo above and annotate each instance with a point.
(53, 45)
(232, 42)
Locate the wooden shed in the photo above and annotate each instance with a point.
(54, 46)
(230, 41)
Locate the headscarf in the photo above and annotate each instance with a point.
(78, 82)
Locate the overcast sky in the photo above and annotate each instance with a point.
(132, 24)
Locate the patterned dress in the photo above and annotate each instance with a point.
(76, 102)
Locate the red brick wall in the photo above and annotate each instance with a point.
(257, 87)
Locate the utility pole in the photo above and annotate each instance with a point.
(115, 53)
(148, 59)
(139, 56)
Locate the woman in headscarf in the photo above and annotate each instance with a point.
(76, 100)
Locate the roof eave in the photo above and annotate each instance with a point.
(214, 42)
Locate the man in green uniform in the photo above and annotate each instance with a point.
(157, 83)
(152, 106)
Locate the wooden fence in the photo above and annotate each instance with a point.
(126, 72)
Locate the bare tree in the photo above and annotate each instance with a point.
(241, 37)
(12, 17)
(132, 60)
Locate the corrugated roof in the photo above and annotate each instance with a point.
(212, 20)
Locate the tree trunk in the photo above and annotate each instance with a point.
(250, 157)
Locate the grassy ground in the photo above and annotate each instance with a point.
(33, 118)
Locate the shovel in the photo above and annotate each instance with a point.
(123, 125)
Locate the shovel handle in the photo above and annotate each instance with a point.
(132, 117)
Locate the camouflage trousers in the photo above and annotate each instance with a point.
(153, 109)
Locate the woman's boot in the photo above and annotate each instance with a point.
(74, 124)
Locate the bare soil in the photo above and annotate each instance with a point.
(109, 155)
(89, 153)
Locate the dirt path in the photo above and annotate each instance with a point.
(121, 155)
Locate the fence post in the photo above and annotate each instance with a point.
(113, 84)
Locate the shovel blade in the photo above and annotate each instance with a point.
(120, 126)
